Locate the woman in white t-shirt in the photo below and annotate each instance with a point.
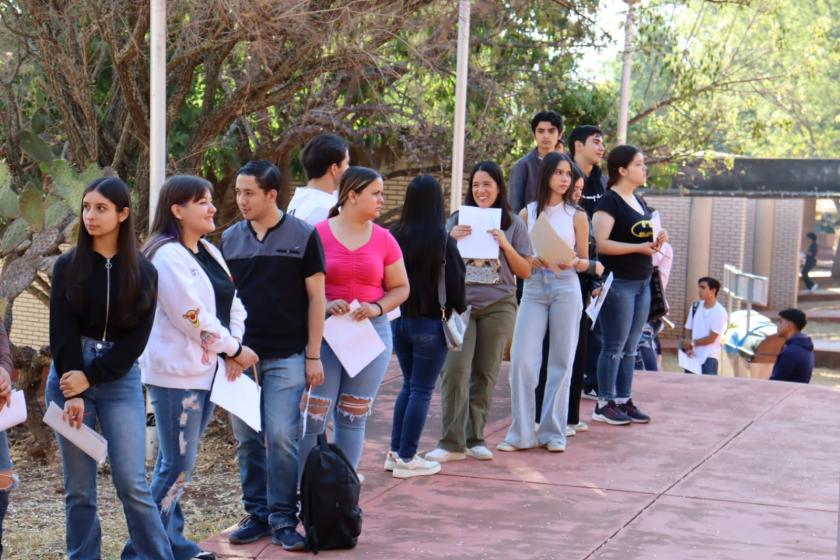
(550, 299)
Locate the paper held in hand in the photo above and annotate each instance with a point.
(594, 307)
(689, 363)
(479, 244)
(86, 439)
(241, 398)
(13, 413)
(549, 246)
(355, 343)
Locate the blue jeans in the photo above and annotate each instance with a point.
(646, 354)
(553, 302)
(622, 317)
(268, 460)
(181, 416)
(421, 350)
(348, 399)
(120, 409)
(6, 484)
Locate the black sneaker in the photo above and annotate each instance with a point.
(250, 529)
(634, 413)
(611, 414)
(205, 555)
(590, 393)
(288, 538)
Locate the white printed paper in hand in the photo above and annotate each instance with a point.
(689, 363)
(13, 413)
(355, 343)
(548, 245)
(594, 307)
(479, 244)
(86, 439)
(241, 398)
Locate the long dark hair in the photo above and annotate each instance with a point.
(134, 297)
(355, 179)
(178, 189)
(421, 233)
(492, 168)
(546, 172)
(620, 156)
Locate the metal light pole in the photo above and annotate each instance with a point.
(157, 154)
(625, 75)
(460, 105)
(157, 103)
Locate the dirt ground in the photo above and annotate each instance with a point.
(34, 526)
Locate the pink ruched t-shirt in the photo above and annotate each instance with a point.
(358, 274)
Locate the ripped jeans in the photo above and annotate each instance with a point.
(181, 416)
(623, 315)
(354, 397)
(118, 406)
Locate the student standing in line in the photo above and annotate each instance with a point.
(586, 146)
(278, 267)
(197, 333)
(429, 253)
(325, 158)
(547, 127)
(8, 479)
(553, 298)
(624, 237)
(469, 376)
(364, 263)
(810, 262)
(102, 305)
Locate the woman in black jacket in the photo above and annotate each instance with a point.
(419, 340)
(102, 306)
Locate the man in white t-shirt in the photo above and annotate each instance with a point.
(705, 325)
(324, 158)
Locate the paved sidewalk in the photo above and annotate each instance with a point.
(728, 469)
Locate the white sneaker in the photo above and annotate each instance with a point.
(815, 287)
(555, 446)
(505, 446)
(416, 467)
(570, 431)
(580, 426)
(443, 456)
(361, 477)
(390, 461)
(480, 452)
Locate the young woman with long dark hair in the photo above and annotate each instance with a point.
(197, 334)
(102, 306)
(624, 236)
(429, 252)
(365, 264)
(469, 376)
(550, 300)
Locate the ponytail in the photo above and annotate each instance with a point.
(355, 179)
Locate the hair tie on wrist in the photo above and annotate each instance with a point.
(238, 351)
(381, 311)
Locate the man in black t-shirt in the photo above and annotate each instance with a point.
(810, 262)
(277, 262)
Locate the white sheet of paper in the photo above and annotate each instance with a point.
(86, 439)
(355, 343)
(394, 314)
(656, 224)
(594, 307)
(14, 414)
(689, 363)
(479, 244)
(241, 398)
(548, 245)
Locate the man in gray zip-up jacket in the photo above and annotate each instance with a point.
(547, 127)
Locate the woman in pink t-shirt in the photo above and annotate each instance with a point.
(364, 264)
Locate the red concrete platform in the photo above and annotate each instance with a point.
(729, 468)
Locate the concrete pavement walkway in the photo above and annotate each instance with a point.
(730, 469)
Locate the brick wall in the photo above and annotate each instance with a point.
(784, 283)
(30, 325)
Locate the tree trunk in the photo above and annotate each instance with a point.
(31, 366)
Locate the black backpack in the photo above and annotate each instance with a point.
(329, 495)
